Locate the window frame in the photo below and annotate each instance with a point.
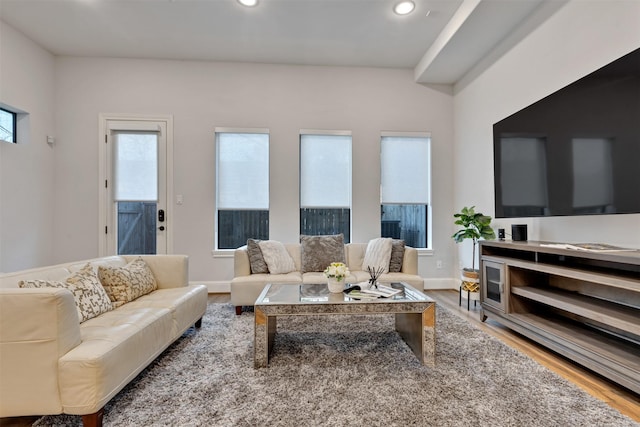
(229, 130)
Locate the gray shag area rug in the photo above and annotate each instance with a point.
(346, 371)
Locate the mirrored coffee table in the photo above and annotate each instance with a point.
(415, 314)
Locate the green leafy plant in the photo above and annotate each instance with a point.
(475, 226)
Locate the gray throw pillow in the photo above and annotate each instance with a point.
(397, 256)
(256, 260)
(317, 252)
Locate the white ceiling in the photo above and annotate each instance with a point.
(441, 40)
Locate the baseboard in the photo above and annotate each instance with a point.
(215, 287)
(441, 283)
(221, 287)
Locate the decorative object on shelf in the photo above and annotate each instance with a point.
(336, 274)
(476, 226)
(375, 274)
(519, 232)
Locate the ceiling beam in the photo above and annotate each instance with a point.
(444, 38)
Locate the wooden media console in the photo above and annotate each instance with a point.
(584, 305)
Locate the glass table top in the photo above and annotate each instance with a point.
(318, 293)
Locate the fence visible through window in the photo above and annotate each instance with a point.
(236, 226)
(323, 221)
(137, 228)
(406, 222)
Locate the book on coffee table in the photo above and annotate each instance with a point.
(381, 292)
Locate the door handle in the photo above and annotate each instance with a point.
(161, 215)
(161, 228)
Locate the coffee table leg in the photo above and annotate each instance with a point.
(419, 332)
(265, 332)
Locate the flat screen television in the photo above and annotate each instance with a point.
(575, 152)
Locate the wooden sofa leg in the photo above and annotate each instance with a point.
(238, 310)
(93, 420)
(198, 323)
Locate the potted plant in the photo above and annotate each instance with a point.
(475, 226)
(336, 273)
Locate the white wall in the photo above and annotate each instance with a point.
(285, 99)
(580, 38)
(27, 168)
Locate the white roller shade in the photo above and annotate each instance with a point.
(325, 171)
(135, 166)
(243, 170)
(405, 170)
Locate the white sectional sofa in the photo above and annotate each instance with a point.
(246, 287)
(50, 363)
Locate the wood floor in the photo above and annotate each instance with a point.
(617, 397)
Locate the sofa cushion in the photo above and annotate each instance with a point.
(124, 284)
(276, 256)
(318, 252)
(397, 255)
(378, 254)
(256, 259)
(89, 295)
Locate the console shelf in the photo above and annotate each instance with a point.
(583, 305)
(616, 315)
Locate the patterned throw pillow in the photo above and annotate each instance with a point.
(277, 257)
(378, 254)
(124, 284)
(256, 260)
(89, 295)
(397, 256)
(317, 252)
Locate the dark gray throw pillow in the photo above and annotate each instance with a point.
(256, 260)
(317, 252)
(397, 256)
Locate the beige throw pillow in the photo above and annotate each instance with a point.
(378, 254)
(276, 256)
(89, 295)
(124, 284)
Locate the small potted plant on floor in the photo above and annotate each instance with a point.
(476, 226)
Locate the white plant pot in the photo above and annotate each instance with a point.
(334, 285)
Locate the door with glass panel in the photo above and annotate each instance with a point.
(137, 218)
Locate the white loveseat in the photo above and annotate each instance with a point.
(50, 363)
(246, 287)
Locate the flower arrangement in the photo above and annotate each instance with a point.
(336, 270)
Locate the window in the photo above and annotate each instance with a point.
(8, 126)
(325, 183)
(135, 190)
(405, 187)
(242, 187)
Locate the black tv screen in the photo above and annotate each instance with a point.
(575, 152)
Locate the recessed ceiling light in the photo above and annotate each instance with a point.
(404, 7)
(248, 3)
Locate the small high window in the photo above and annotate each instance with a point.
(8, 125)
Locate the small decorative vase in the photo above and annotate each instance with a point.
(335, 285)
